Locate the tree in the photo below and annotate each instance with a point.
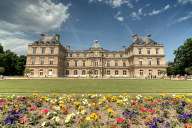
(2, 69)
(171, 69)
(183, 57)
(12, 63)
(1, 49)
(188, 70)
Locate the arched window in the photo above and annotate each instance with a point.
(41, 72)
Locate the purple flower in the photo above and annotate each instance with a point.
(12, 117)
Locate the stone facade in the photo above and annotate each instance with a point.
(143, 58)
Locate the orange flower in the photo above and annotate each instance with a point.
(188, 126)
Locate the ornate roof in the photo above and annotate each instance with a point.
(143, 40)
(47, 39)
(96, 44)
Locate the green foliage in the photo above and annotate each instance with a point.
(2, 70)
(1, 49)
(27, 70)
(188, 70)
(183, 57)
(11, 62)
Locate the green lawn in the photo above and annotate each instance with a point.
(94, 86)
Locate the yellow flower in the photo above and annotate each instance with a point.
(88, 118)
(188, 100)
(94, 116)
(110, 110)
(114, 98)
(77, 104)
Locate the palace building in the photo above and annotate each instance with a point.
(144, 58)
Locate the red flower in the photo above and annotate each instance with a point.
(45, 111)
(120, 120)
(143, 109)
(151, 111)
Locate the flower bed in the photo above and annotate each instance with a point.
(95, 110)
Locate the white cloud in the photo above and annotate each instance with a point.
(156, 12)
(139, 13)
(184, 18)
(119, 17)
(115, 3)
(29, 17)
(185, 1)
(135, 15)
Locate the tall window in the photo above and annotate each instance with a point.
(75, 63)
(34, 50)
(43, 50)
(157, 50)
(41, 60)
(116, 63)
(75, 72)
(67, 64)
(67, 72)
(158, 61)
(116, 72)
(108, 64)
(124, 64)
(124, 72)
(83, 63)
(140, 51)
(159, 72)
(150, 72)
(108, 72)
(33, 60)
(148, 51)
(149, 61)
(52, 50)
(141, 72)
(41, 72)
(96, 64)
(83, 72)
(140, 62)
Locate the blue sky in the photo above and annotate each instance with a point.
(79, 22)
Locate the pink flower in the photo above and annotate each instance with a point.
(33, 108)
(120, 120)
(23, 119)
(45, 111)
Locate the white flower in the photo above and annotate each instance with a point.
(43, 124)
(69, 117)
(139, 97)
